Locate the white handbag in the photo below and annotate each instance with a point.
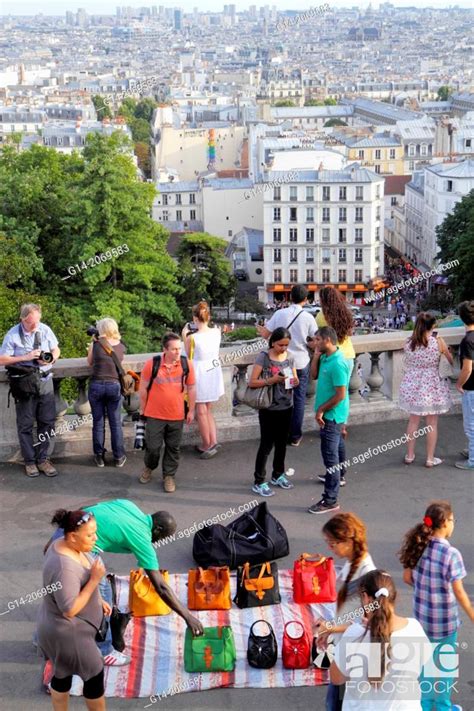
(445, 369)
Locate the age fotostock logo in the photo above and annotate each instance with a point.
(404, 660)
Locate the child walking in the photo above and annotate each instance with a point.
(346, 536)
(435, 569)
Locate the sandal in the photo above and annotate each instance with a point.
(409, 460)
(430, 463)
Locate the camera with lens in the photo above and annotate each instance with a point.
(92, 331)
(46, 357)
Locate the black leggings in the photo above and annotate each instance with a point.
(93, 688)
(274, 429)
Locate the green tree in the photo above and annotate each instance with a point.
(444, 92)
(284, 103)
(145, 108)
(204, 271)
(313, 102)
(334, 122)
(101, 107)
(330, 102)
(455, 238)
(248, 303)
(60, 212)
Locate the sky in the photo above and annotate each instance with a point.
(59, 7)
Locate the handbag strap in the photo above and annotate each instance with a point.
(294, 622)
(294, 319)
(191, 347)
(270, 630)
(309, 558)
(110, 351)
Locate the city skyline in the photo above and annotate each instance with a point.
(108, 7)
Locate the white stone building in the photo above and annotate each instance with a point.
(325, 227)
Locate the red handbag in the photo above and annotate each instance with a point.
(314, 579)
(296, 651)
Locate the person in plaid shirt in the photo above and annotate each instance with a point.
(435, 569)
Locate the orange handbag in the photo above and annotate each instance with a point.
(314, 579)
(209, 589)
(143, 600)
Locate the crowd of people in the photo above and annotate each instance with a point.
(180, 385)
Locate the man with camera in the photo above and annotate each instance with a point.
(28, 352)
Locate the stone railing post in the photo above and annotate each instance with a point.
(355, 384)
(82, 404)
(375, 379)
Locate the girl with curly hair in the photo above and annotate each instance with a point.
(435, 569)
(346, 536)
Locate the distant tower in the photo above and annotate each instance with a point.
(178, 20)
(21, 74)
(211, 149)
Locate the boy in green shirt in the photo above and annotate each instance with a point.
(332, 411)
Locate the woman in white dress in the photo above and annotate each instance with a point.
(202, 347)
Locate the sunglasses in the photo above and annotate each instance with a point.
(84, 519)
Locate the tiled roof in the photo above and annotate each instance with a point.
(395, 184)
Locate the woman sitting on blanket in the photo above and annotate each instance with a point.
(346, 536)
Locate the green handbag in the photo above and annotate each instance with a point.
(212, 651)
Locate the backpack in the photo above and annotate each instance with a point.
(184, 378)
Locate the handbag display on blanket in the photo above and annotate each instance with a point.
(143, 599)
(262, 651)
(445, 369)
(209, 589)
(257, 585)
(260, 398)
(314, 579)
(296, 651)
(212, 651)
(254, 537)
(118, 620)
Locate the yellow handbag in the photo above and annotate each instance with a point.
(143, 600)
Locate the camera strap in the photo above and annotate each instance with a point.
(36, 342)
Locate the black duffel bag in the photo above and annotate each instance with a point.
(24, 381)
(254, 537)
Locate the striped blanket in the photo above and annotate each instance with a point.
(156, 645)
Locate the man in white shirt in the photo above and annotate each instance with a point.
(302, 326)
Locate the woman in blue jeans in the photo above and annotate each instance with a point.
(104, 392)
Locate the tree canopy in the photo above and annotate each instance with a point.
(444, 92)
(456, 241)
(59, 212)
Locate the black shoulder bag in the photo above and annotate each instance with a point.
(24, 380)
(262, 652)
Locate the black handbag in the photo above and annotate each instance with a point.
(254, 537)
(262, 652)
(322, 658)
(24, 381)
(257, 585)
(118, 620)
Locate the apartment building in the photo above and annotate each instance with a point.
(325, 227)
(445, 185)
(383, 154)
(412, 226)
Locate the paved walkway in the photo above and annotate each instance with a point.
(389, 496)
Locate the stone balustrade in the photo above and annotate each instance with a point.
(381, 356)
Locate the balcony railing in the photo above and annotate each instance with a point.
(380, 354)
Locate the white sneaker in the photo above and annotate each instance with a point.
(116, 659)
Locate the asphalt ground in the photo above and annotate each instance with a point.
(388, 495)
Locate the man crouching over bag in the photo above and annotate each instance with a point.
(28, 351)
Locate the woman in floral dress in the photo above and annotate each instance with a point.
(422, 392)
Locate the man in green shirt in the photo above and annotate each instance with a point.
(123, 528)
(332, 411)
